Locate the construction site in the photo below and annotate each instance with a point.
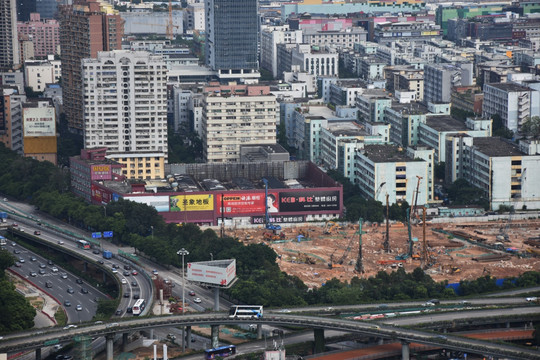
(317, 252)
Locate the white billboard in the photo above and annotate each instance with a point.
(39, 121)
(161, 203)
(219, 272)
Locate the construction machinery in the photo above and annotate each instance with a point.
(415, 203)
(359, 262)
(329, 227)
(503, 231)
(339, 262)
(386, 244)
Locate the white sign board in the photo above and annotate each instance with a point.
(161, 203)
(39, 121)
(219, 272)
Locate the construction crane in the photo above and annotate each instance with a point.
(408, 211)
(386, 244)
(425, 256)
(359, 264)
(268, 220)
(170, 25)
(415, 203)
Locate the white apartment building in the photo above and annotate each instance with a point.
(371, 104)
(236, 115)
(439, 80)
(345, 91)
(387, 169)
(315, 61)
(38, 74)
(270, 37)
(514, 103)
(505, 175)
(433, 130)
(338, 39)
(125, 110)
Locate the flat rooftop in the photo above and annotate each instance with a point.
(496, 147)
(411, 108)
(510, 87)
(348, 128)
(445, 123)
(386, 153)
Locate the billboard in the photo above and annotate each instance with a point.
(279, 219)
(219, 272)
(161, 203)
(101, 172)
(39, 121)
(309, 201)
(100, 196)
(198, 202)
(247, 203)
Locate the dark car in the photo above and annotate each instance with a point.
(33, 258)
(126, 295)
(136, 296)
(84, 290)
(37, 232)
(70, 290)
(115, 266)
(126, 273)
(67, 303)
(41, 271)
(79, 281)
(33, 273)
(100, 262)
(129, 310)
(16, 251)
(42, 266)
(118, 312)
(134, 283)
(50, 262)
(192, 293)
(96, 251)
(127, 267)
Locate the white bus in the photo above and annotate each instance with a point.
(246, 312)
(139, 307)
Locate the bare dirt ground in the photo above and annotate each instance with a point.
(448, 257)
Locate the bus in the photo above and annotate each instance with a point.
(222, 351)
(246, 312)
(83, 244)
(139, 307)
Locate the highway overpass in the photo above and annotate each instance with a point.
(35, 340)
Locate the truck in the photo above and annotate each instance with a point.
(3, 216)
(107, 254)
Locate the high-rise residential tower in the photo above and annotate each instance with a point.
(232, 33)
(9, 44)
(125, 110)
(86, 27)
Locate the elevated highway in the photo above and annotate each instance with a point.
(36, 340)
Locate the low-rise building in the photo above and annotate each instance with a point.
(40, 73)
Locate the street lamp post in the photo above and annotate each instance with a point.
(152, 227)
(183, 252)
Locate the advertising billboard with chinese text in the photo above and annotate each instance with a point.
(278, 219)
(308, 201)
(101, 172)
(101, 195)
(247, 203)
(39, 122)
(198, 202)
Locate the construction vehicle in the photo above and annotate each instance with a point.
(451, 269)
(409, 253)
(272, 236)
(339, 262)
(269, 226)
(329, 227)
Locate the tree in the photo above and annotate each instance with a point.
(531, 127)
(499, 128)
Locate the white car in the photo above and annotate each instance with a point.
(124, 281)
(60, 242)
(79, 308)
(54, 269)
(197, 300)
(531, 299)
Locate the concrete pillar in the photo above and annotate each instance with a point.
(380, 341)
(85, 266)
(319, 341)
(151, 334)
(216, 299)
(109, 346)
(405, 350)
(124, 341)
(215, 336)
(259, 331)
(38, 354)
(508, 324)
(188, 336)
